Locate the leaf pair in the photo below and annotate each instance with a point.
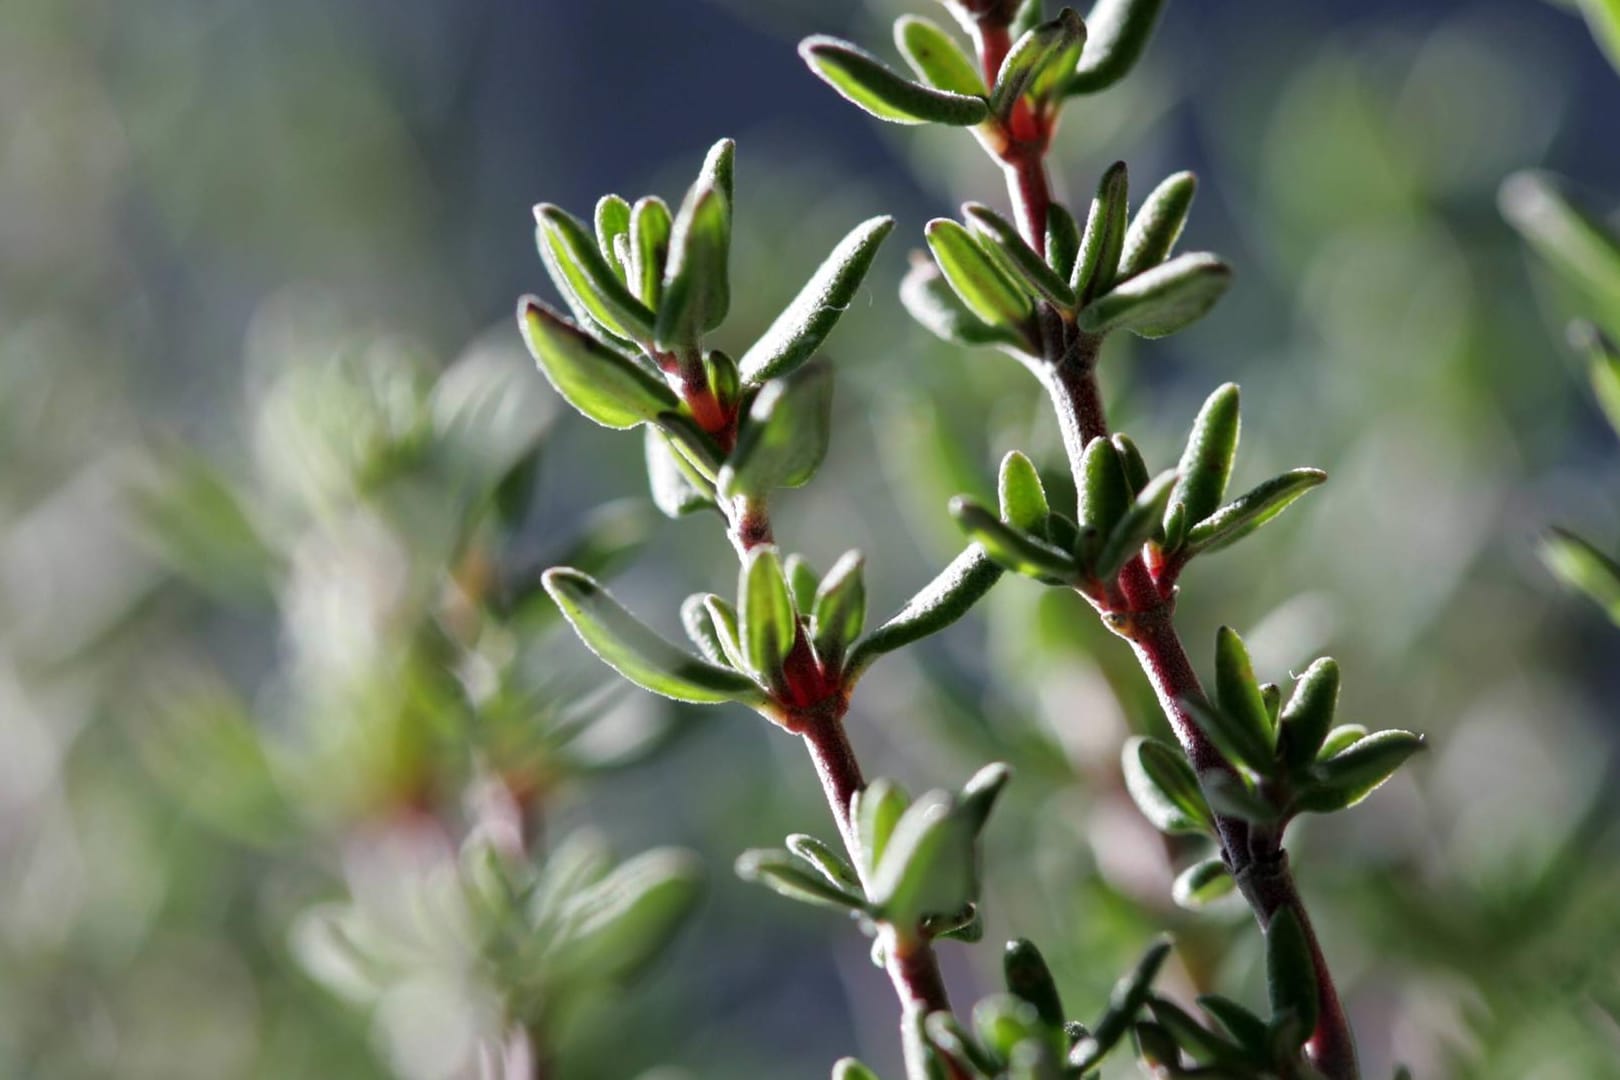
(1195, 520)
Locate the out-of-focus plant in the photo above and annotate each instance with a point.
(424, 723)
(645, 286)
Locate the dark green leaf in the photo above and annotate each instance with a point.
(1136, 528)
(782, 873)
(768, 621)
(1022, 497)
(677, 487)
(1029, 977)
(1130, 459)
(839, 609)
(1238, 692)
(1206, 463)
(1103, 240)
(1254, 508)
(1130, 993)
(932, 302)
(1202, 883)
(588, 276)
(625, 644)
(1120, 30)
(1039, 62)
(1356, 771)
(864, 80)
(1203, 1045)
(987, 290)
(805, 323)
(1164, 788)
(1290, 970)
(1062, 241)
(1158, 224)
(1231, 796)
(1247, 1029)
(650, 226)
(1155, 1048)
(1308, 716)
(935, 56)
(1012, 548)
(943, 601)
(602, 384)
(1105, 493)
(1162, 300)
(696, 290)
(1000, 239)
(784, 437)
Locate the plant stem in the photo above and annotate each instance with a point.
(1144, 614)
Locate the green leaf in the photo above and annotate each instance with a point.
(1136, 528)
(1130, 459)
(769, 625)
(1130, 993)
(573, 251)
(980, 792)
(1238, 692)
(650, 227)
(602, 384)
(1308, 716)
(1039, 62)
(1103, 240)
(784, 437)
(827, 862)
(626, 644)
(1361, 768)
(1246, 513)
(1022, 497)
(1239, 740)
(876, 810)
(1206, 463)
(850, 1069)
(927, 865)
(612, 222)
(838, 609)
(1018, 551)
(935, 56)
(1030, 979)
(1003, 1021)
(805, 323)
(1160, 301)
(1164, 788)
(726, 628)
(1203, 1045)
(1575, 242)
(1584, 568)
(864, 80)
(802, 581)
(1105, 494)
(618, 924)
(696, 290)
(677, 487)
(1158, 224)
(1341, 738)
(1062, 241)
(783, 874)
(1000, 239)
(1603, 368)
(1603, 16)
(951, 594)
(719, 168)
(1246, 1029)
(724, 379)
(700, 627)
(1155, 1048)
(947, 1035)
(1202, 883)
(1290, 970)
(984, 287)
(1120, 30)
(933, 303)
(1231, 796)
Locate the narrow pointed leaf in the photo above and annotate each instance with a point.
(650, 227)
(839, 609)
(1358, 770)
(597, 286)
(768, 622)
(701, 629)
(1238, 741)
(1580, 246)
(802, 581)
(1062, 241)
(1238, 690)
(1030, 979)
(1204, 1045)
(1202, 884)
(1290, 970)
(1137, 476)
(1246, 1029)
(696, 289)
(1105, 493)
(984, 287)
(1341, 738)
(936, 57)
(1012, 548)
(1158, 224)
(1001, 240)
(827, 862)
(1136, 528)
(728, 629)
(932, 302)
(1163, 786)
(1130, 993)
(719, 168)
(864, 80)
(783, 874)
(1249, 511)
(1308, 716)
(784, 437)
(951, 594)
(602, 384)
(1584, 568)
(980, 792)
(628, 646)
(1039, 62)
(677, 487)
(802, 327)
(1022, 497)
(1160, 301)
(1119, 33)
(1231, 796)
(1603, 368)
(1206, 463)
(1103, 240)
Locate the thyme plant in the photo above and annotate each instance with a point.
(1048, 286)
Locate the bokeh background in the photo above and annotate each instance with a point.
(239, 242)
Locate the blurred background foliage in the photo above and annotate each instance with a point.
(277, 480)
